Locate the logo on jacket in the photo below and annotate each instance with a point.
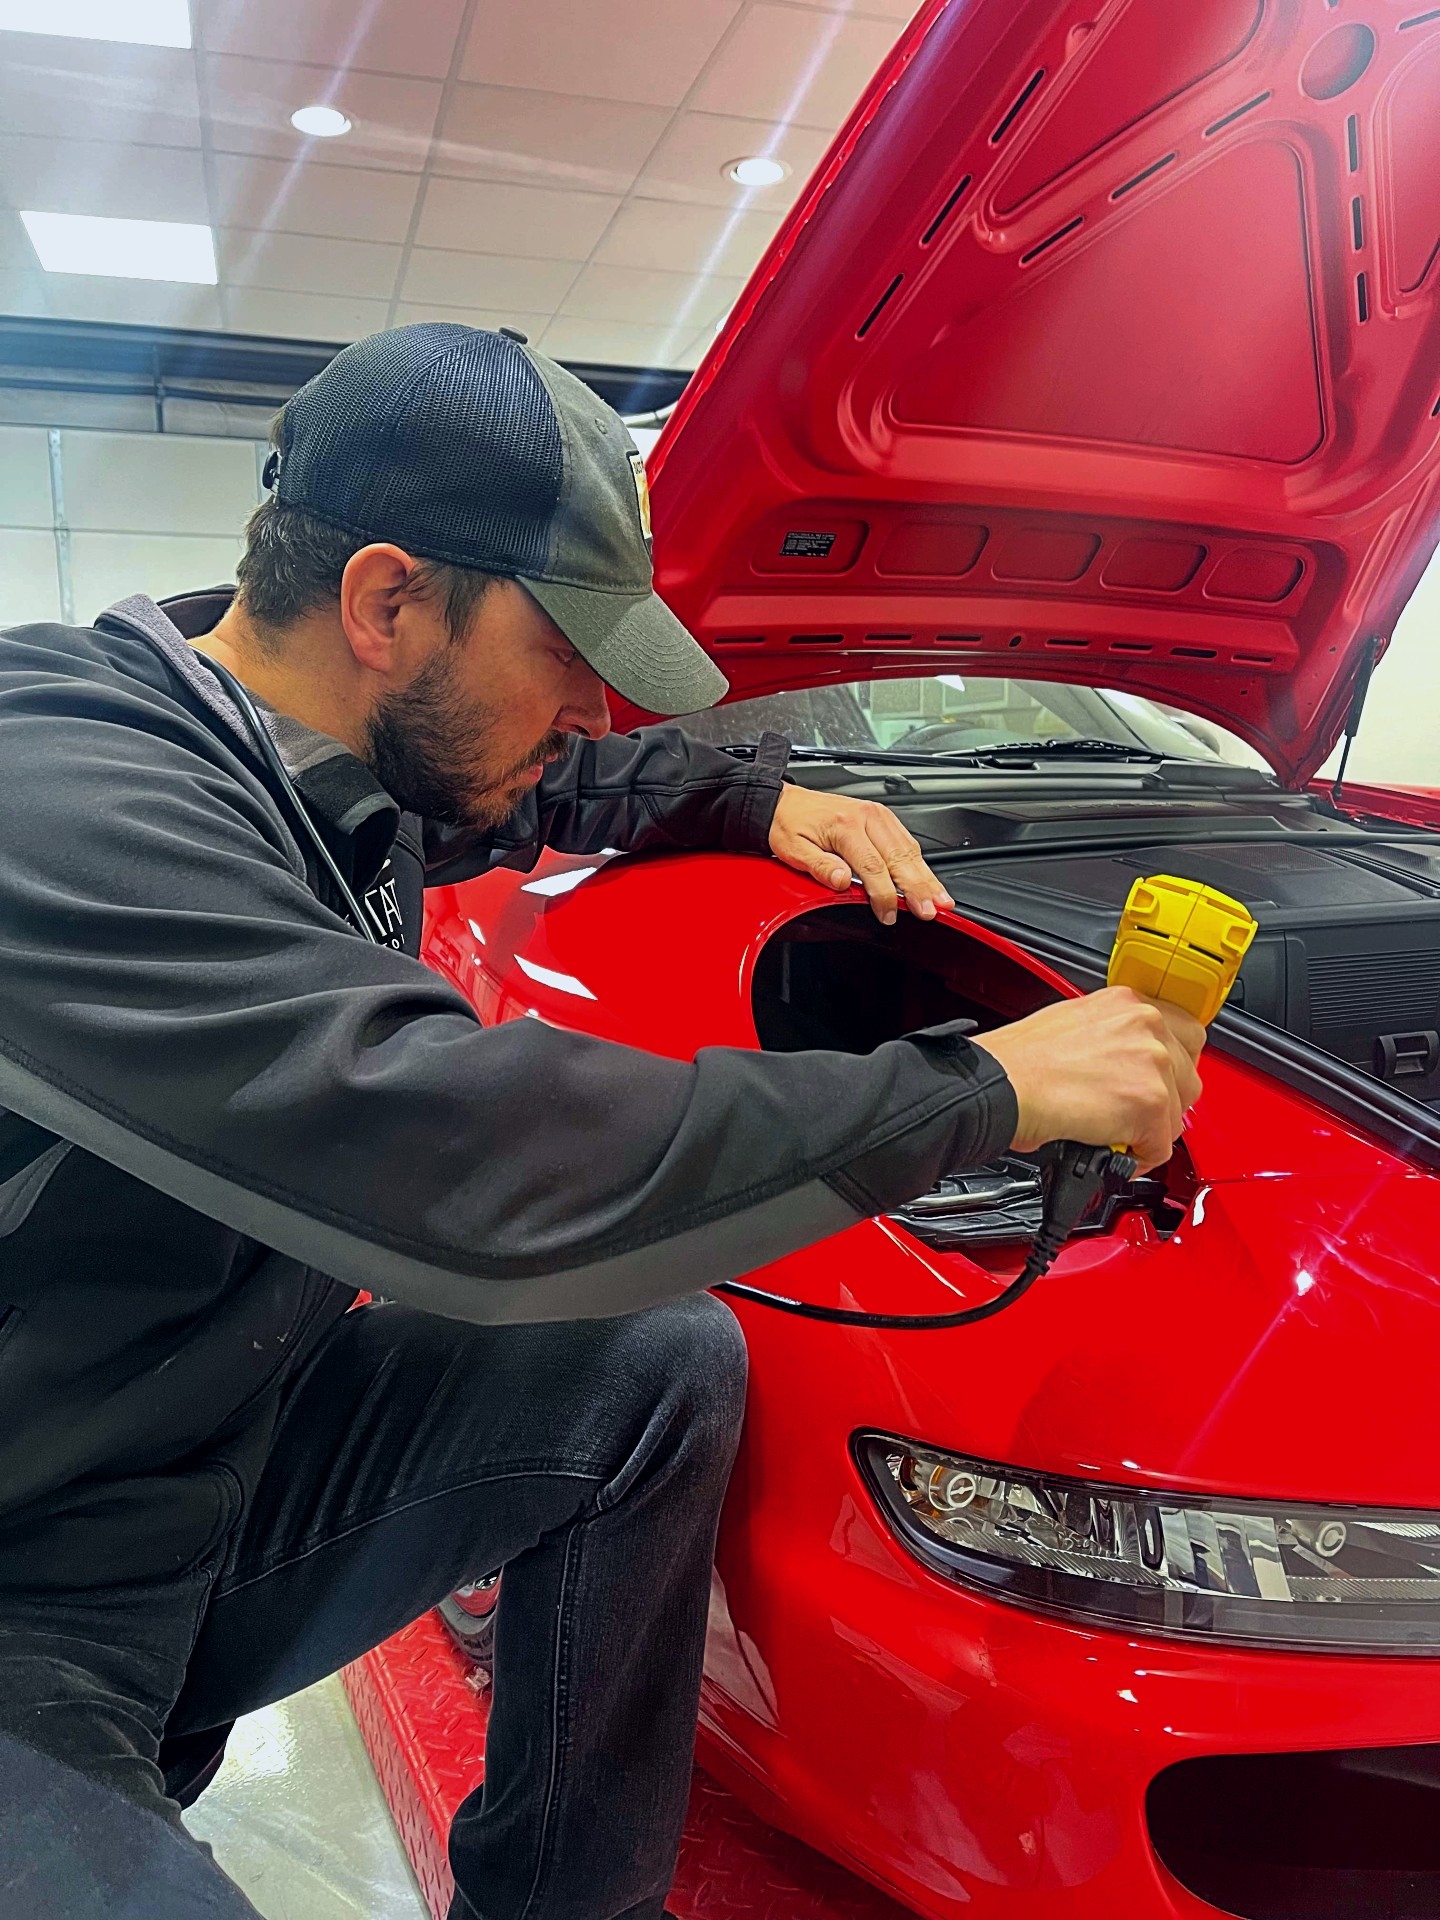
(382, 905)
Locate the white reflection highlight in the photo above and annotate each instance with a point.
(558, 882)
(548, 977)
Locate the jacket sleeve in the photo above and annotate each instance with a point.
(654, 788)
(176, 1001)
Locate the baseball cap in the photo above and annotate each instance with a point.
(468, 446)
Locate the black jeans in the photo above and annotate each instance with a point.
(413, 1454)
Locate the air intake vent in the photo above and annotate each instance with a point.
(1376, 990)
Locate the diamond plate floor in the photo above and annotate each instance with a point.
(423, 1720)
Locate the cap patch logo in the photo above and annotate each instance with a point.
(642, 494)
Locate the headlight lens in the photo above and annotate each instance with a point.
(1273, 1573)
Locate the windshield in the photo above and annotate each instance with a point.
(947, 713)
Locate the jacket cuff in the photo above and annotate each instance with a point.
(748, 825)
(968, 1133)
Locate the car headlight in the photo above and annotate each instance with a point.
(1277, 1573)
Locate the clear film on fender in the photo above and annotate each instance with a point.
(1277, 1573)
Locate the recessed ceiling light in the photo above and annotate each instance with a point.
(759, 171)
(323, 123)
(126, 249)
(150, 23)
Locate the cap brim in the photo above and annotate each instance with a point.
(636, 645)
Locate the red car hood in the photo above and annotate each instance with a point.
(1103, 347)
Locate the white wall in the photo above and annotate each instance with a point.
(1399, 738)
(87, 518)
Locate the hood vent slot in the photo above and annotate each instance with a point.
(1229, 119)
(1136, 179)
(879, 306)
(1051, 239)
(1017, 106)
(944, 214)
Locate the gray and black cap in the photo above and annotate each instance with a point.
(470, 447)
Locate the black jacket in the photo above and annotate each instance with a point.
(222, 1112)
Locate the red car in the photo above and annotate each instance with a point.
(1057, 481)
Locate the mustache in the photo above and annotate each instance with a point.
(555, 746)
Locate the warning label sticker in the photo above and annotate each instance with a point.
(806, 546)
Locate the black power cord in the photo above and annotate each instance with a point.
(1072, 1177)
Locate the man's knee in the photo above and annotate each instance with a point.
(689, 1360)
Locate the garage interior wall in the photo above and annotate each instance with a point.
(88, 516)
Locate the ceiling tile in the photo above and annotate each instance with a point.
(614, 343)
(697, 348)
(302, 263)
(646, 50)
(492, 282)
(689, 162)
(106, 90)
(348, 203)
(546, 139)
(249, 103)
(687, 239)
(147, 303)
(531, 324)
(648, 298)
(541, 223)
(387, 36)
(91, 176)
(901, 10)
(786, 64)
(304, 316)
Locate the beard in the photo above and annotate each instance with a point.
(426, 747)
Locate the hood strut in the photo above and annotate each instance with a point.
(1369, 654)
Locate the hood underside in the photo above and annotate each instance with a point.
(1104, 346)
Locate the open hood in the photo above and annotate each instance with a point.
(1105, 347)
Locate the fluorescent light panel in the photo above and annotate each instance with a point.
(150, 23)
(125, 249)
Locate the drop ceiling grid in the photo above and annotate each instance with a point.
(633, 261)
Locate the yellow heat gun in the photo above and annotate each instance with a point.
(1177, 941)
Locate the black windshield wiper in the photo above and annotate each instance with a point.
(999, 755)
(1066, 750)
(859, 756)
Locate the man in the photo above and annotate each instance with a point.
(226, 1111)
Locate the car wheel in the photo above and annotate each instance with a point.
(469, 1617)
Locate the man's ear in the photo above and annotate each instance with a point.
(373, 597)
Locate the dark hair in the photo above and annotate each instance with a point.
(293, 563)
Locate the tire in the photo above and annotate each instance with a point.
(468, 1615)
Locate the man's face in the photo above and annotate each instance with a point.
(466, 738)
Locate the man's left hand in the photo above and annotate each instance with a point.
(839, 840)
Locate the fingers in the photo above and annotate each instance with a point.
(836, 838)
(820, 862)
(1108, 1067)
(1160, 1116)
(925, 896)
(886, 859)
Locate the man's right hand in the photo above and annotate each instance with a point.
(1108, 1069)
